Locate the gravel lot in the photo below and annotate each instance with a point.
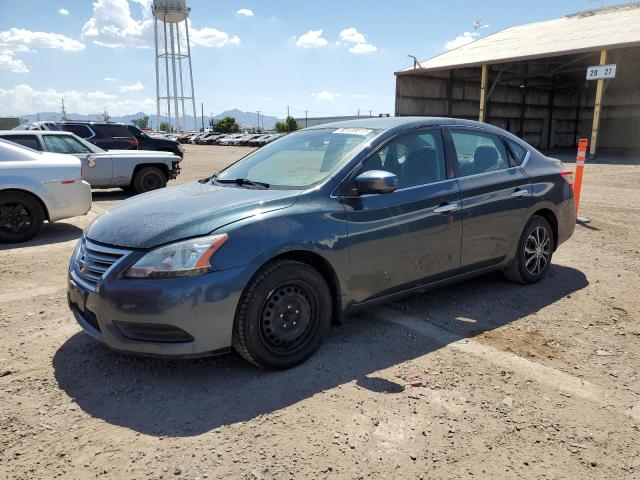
(512, 382)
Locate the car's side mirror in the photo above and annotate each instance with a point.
(376, 181)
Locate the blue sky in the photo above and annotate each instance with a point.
(251, 55)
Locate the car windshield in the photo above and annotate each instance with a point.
(300, 159)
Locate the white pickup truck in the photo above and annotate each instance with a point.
(136, 170)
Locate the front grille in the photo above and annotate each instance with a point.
(93, 261)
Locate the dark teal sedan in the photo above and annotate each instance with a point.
(265, 255)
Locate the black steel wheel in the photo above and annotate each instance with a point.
(282, 316)
(534, 252)
(148, 179)
(21, 217)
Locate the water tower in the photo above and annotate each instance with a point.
(173, 54)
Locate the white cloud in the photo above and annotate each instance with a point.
(312, 39)
(8, 62)
(211, 37)
(63, 11)
(136, 87)
(20, 40)
(361, 96)
(23, 99)
(27, 40)
(109, 79)
(362, 48)
(112, 25)
(325, 96)
(247, 12)
(460, 40)
(352, 35)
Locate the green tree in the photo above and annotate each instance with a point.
(142, 122)
(289, 125)
(165, 127)
(225, 125)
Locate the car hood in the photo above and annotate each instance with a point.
(184, 211)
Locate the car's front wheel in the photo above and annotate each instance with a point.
(21, 217)
(149, 178)
(283, 315)
(534, 252)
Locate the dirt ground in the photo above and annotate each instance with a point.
(512, 382)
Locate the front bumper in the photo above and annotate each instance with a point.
(178, 317)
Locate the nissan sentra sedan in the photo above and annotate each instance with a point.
(265, 255)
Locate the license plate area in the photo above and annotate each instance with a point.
(77, 296)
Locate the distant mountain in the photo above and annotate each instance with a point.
(245, 119)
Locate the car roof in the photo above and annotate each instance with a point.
(385, 123)
(34, 132)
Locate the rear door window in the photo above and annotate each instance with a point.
(30, 141)
(64, 144)
(82, 131)
(478, 152)
(113, 131)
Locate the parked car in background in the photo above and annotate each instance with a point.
(108, 136)
(140, 171)
(160, 144)
(35, 187)
(229, 139)
(324, 221)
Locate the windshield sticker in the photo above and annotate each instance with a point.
(363, 132)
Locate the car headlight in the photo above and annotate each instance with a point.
(181, 147)
(180, 259)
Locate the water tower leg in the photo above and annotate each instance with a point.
(193, 95)
(166, 69)
(184, 114)
(155, 38)
(175, 82)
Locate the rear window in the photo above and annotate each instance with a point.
(517, 150)
(112, 131)
(25, 140)
(81, 130)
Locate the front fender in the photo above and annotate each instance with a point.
(256, 240)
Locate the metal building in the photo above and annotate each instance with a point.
(534, 80)
(173, 62)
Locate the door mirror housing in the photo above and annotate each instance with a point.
(376, 181)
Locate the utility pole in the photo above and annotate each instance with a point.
(370, 114)
(64, 112)
(288, 112)
(306, 118)
(202, 114)
(258, 112)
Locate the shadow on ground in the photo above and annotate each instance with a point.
(51, 233)
(184, 398)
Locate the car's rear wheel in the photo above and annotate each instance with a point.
(534, 253)
(21, 217)
(149, 178)
(283, 315)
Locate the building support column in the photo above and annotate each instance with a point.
(483, 93)
(597, 107)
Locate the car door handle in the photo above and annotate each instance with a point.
(520, 193)
(446, 208)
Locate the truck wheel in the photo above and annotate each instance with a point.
(283, 315)
(149, 178)
(21, 217)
